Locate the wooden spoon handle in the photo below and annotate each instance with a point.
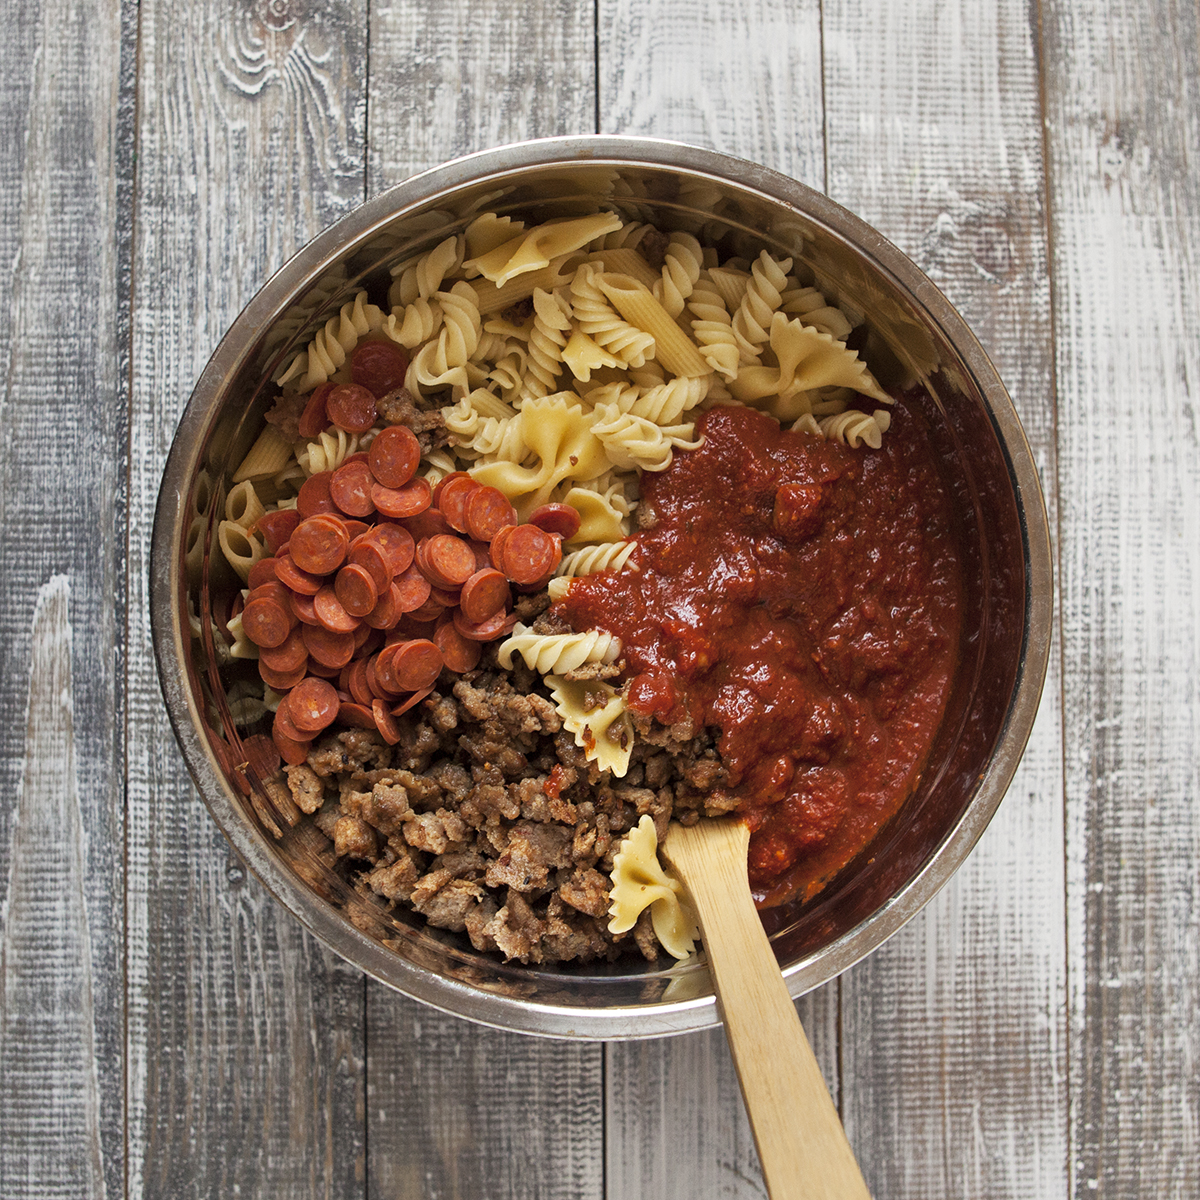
(801, 1143)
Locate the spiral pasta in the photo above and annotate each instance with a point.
(551, 324)
(422, 279)
(332, 345)
(632, 441)
(599, 320)
(712, 327)
(330, 449)
(558, 653)
(684, 259)
(752, 321)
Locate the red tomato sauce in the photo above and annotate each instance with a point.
(804, 599)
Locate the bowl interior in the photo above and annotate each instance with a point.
(914, 342)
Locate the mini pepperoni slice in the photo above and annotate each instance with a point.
(317, 668)
(530, 554)
(486, 631)
(385, 722)
(497, 546)
(412, 589)
(366, 552)
(484, 594)
(459, 653)
(292, 752)
(319, 545)
(331, 612)
(355, 529)
(262, 572)
(482, 552)
(276, 527)
(302, 608)
(453, 501)
(327, 648)
(351, 407)
(350, 488)
(425, 524)
(273, 590)
(397, 545)
(447, 599)
(314, 495)
(357, 680)
(394, 456)
(387, 610)
(414, 699)
(380, 687)
(281, 681)
(313, 705)
(379, 366)
(556, 518)
(446, 561)
(431, 610)
(285, 723)
(415, 665)
(445, 479)
(300, 582)
(289, 655)
(356, 715)
(356, 589)
(407, 501)
(487, 511)
(314, 420)
(266, 622)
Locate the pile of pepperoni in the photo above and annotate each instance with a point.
(376, 581)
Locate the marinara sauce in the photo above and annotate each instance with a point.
(804, 599)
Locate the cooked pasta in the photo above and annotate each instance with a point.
(241, 548)
(752, 320)
(558, 653)
(604, 732)
(268, 456)
(601, 322)
(332, 345)
(636, 303)
(242, 504)
(684, 259)
(639, 882)
(551, 325)
(534, 249)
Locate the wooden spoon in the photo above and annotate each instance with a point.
(801, 1144)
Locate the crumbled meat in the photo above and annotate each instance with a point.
(595, 670)
(285, 415)
(401, 407)
(489, 821)
(519, 313)
(307, 790)
(653, 247)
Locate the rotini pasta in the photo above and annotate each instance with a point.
(558, 653)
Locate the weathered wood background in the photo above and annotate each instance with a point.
(165, 1030)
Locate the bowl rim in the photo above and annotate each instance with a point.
(333, 928)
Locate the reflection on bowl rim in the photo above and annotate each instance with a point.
(168, 614)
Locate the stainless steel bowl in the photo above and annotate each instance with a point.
(914, 337)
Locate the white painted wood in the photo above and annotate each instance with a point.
(457, 1110)
(245, 1036)
(744, 79)
(450, 78)
(953, 1033)
(1123, 120)
(61, 918)
(50, 1119)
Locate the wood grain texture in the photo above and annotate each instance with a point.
(50, 1120)
(61, 329)
(462, 1112)
(245, 1036)
(457, 1110)
(954, 1031)
(1123, 120)
(451, 78)
(746, 80)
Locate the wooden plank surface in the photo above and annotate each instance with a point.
(165, 1029)
(245, 1036)
(746, 80)
(954, 1032)
(62, 1063)
(456, 1110)
(1123, 114)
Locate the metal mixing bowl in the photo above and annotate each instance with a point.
(913, 337)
